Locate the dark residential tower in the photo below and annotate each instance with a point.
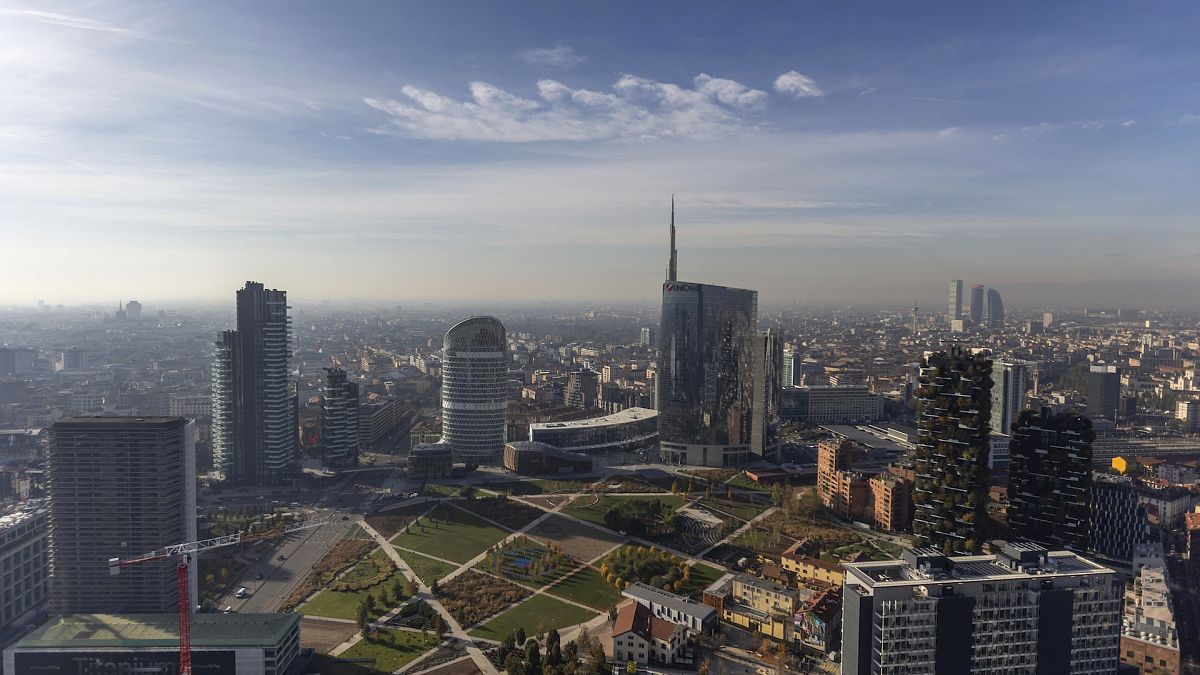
(339, 419)
(953, 425)
(254, 403)
(1103, 391)
(768, 393)
(119, 487)
(976, 305)
(1050, 479)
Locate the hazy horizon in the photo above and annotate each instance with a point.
(475, 153)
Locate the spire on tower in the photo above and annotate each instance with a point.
(672, 260)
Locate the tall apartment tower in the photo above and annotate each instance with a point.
(475, 390)
(976, 308)
(955, 311)
(768, 393)
(339, 419)
(995, 309)
(791, 366)
(1010, 383)
(1023, 610)
(951, 457)
(24, 566)
(1050, 479)
(583, 387)
(1104, 391)
(254, 403)
(119, 487)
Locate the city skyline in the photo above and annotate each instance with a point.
(831, 160)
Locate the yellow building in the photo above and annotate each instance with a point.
(759, 606)
(1120, 465)
(812, 569)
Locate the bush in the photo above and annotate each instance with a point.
(473, 597)
(639, 563)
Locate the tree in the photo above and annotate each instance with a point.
(515, 665)
(675, 487)
(434, 589)
(369, 601)
(533, 656)
(570, 654)
(554, 655)
(520, 636)
(439, 624)
(729, 493)
(400, 588)
(364, 615)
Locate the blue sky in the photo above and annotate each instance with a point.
(477, 151)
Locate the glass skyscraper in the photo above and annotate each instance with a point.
(475, 390)
(708, 340)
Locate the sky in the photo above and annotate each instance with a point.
(819, 152)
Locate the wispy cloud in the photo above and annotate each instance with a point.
(947, 132)
(634, 107)
(560, 56)
(64, 20)
(798, 85)
(1078, 125)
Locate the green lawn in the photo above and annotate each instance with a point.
(701, 577)
(388, 659)
(441, 490)
(537, 615)
(595, 513)
(588, 587)
(740, 481)
(344, 604)
(454, 535)
(426, 568)
(738, 508)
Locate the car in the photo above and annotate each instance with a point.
(281, 558)
(242, 592)
(228, 609)
(258, 577)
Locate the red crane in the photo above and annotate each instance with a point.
(183, 554)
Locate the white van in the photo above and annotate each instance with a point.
(243, 592)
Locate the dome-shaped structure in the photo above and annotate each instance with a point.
(475, 390)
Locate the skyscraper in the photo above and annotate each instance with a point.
(119, 487)
(672, 259)
(1010, 383)
(475, 390)
(953, 423)
(1050, 479)
(583, 387)
(1104, 391)
(768, 392)
(955, 310)
(995, 309)
(976, 308)
(791, 363)
(339, 419)
(254, 402)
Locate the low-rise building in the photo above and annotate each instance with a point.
(846, 404)
(1149, 638)
(818, 622)
(812, 569)
(642, 638)
(627, 430)
(532, 458)
(430, 461)
(234, 644)
(756, 605)
(24, 565)
(695, 616)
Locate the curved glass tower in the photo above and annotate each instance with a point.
(475, 390)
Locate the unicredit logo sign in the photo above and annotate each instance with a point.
(680, 287)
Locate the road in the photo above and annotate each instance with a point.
(302, 551)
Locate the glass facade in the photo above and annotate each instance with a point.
(475, 390)
(707, 346)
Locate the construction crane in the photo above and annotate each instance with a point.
(183, 554)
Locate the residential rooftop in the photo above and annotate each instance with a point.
(669, 600)
(1017, 560)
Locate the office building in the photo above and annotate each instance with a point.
(1010, 384)
(646, 337)
(531, 458)
(582, 389)
(17, 360)
(24, 565)
(339, 419)
(1024, 610)
(768, 392)
(430, 461)
(828, 404)
(1104, 391)
(953, 414)
(976, 309)
(1119, 521)
(133, 310)
(955, 311)
(791, 368)
(705, 381)
(1050, 479)
(255, 426)
(1188, 412)
(380, 420)
(119, 487)
(625, 431)
(229, 644)
(475, 390)
(995, 309)
(70, 359)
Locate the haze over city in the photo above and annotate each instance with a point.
(512, 152)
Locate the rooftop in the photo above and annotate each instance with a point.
(623, 417)
(158, 630)
(1019, 560)
(670, 600)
